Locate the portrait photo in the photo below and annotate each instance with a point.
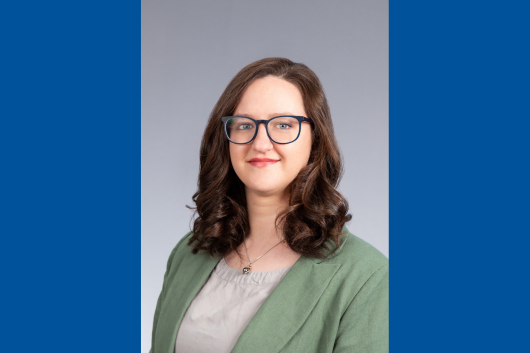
(265, 154)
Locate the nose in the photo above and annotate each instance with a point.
(262, 143)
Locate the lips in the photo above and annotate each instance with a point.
(262, 162)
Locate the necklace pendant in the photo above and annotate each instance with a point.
(246, 270)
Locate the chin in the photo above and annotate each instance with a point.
(265, 188)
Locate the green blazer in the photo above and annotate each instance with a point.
(338, 305)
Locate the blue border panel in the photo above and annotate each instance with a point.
(70, 179)
(459, 176)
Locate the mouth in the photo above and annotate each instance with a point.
(262, 162)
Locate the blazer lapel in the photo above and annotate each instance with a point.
(188, 280)
(287, 307)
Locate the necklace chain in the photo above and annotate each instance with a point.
(246, 270)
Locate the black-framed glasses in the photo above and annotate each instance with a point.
(282, 129)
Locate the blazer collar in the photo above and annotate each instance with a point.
(299, 291)
(287, 307)
(334, 250)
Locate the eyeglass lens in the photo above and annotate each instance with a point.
(281, 129)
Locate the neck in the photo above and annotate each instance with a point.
(262, 213)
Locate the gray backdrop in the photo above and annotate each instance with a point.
(190, 51)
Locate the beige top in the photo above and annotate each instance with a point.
(223, 307)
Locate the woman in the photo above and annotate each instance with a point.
(269, 266)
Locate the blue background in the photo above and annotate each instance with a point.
(70, 146)
(459, 176)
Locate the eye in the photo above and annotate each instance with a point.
(244, 126)
(283, 126)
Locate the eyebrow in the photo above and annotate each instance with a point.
(272, 115)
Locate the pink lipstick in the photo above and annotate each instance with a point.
(262, 162)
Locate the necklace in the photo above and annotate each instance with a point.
(246, 270)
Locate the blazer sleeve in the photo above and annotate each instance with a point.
(162, 295)
(364, 326)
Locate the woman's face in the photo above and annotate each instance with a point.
(264, 99)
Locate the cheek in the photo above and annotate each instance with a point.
(237, 156)
(296, 157)
(235, 152)
(301, 150)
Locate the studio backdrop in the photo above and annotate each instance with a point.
(192, 49)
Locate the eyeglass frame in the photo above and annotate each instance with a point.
(300, 119)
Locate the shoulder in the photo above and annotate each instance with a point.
(179, 251)
(360, 263)
(355, 252)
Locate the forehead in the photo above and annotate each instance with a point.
(268, 95)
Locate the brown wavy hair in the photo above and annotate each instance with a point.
(317, 211)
